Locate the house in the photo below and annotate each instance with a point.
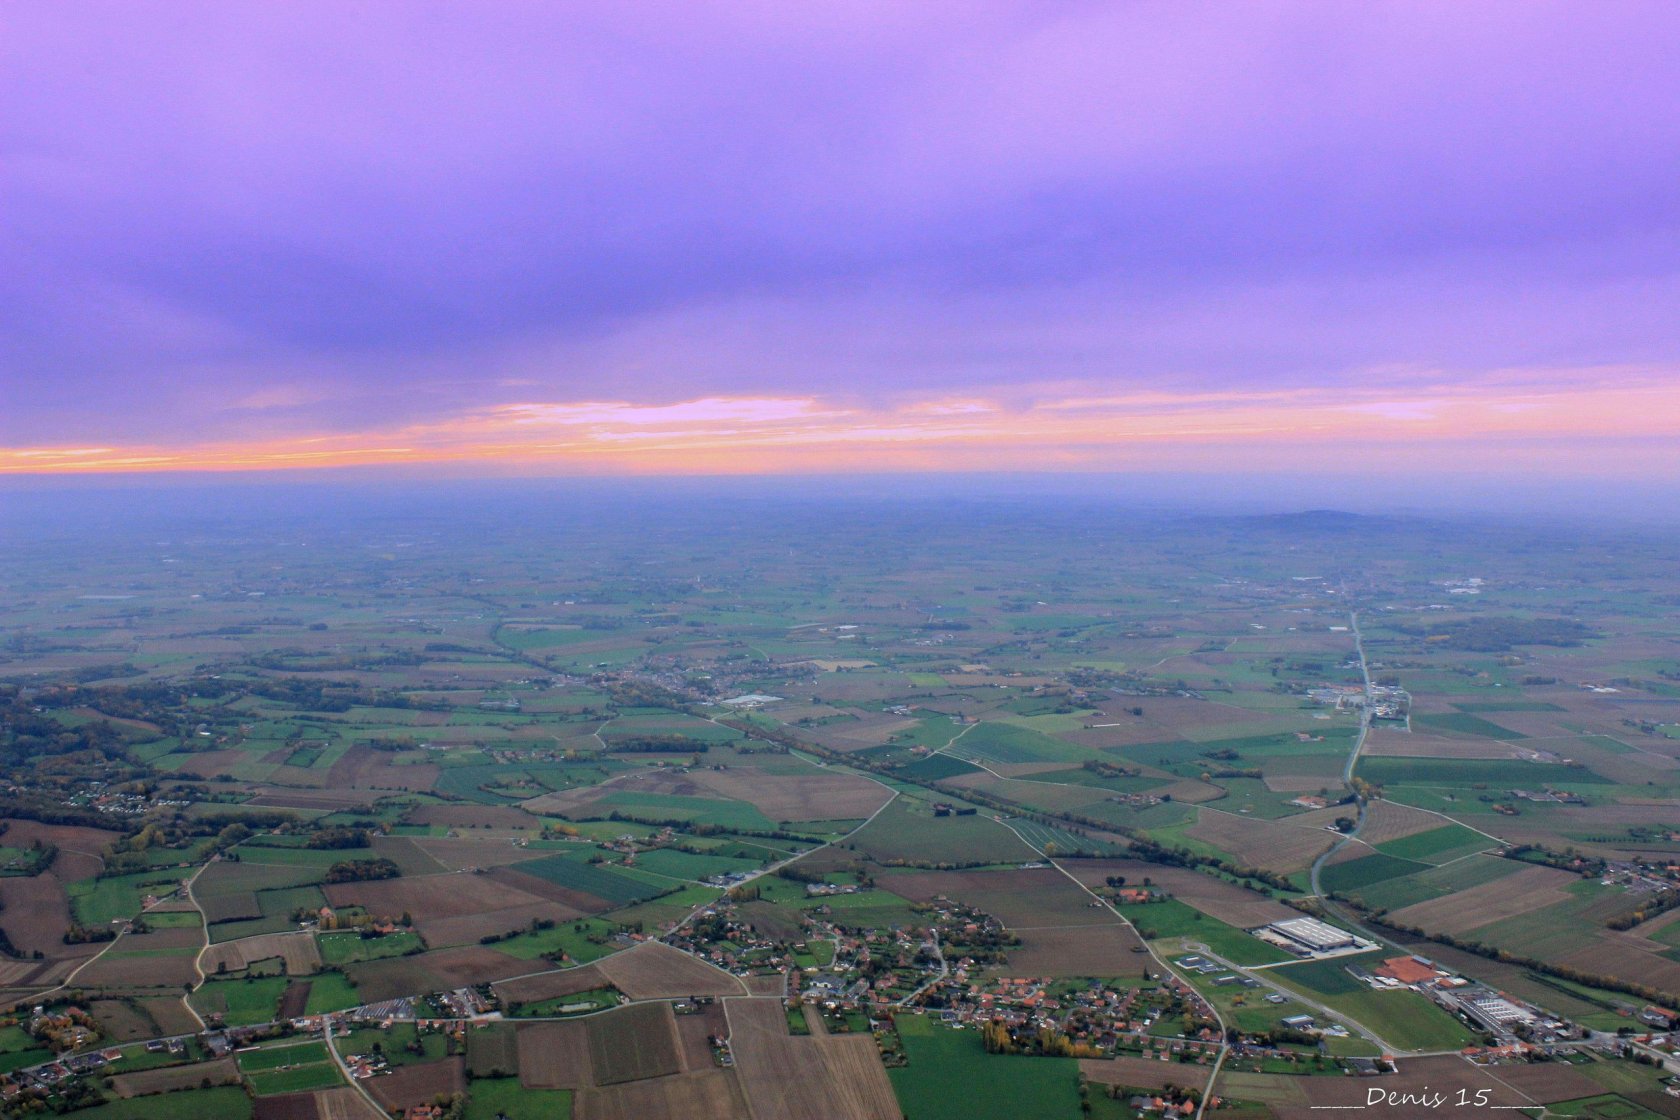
(1298, 1022)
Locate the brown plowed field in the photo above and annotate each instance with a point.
(289, 1106)
(36, 914)
(473, 816)
(164, 939)
(14, 974)
(1384, 820)
(222, 1072)
(714, 1094)
(456, 854)
(344, 1103)
(1141, 1073)
(170, 1015)
(116, 971)
(571, 802)
(296, 949)
(1548, 1081)
(338, 798)
(1419, 744)
(515, 880)
(554, 1055)
(1529, 889)
(771, 985)
(406, 1086)
(1620, 954)
(409, 857)
(693, 1031)
(493, 1050)
(231, 907)
(1447, 1074)
(211, 764)
(1273, 845)
(430, 897)
(633, 1043)
(441, 970)
(552, 985)
(467, 929)
(770, 920)
(809, 1078)
(366, 768)
(1104, 950)
(72, 838)
(797, 797)
(654, 970)
(1216, 898)
(294, 1000)
(119, 1022)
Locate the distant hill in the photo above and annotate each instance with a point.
(1328, 521)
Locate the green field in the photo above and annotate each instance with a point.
(1459, 773)
(241, 1002)
(303, 1079)
(99, 902)
(1403, 1018)
(224, 1102)
(330, 991)
(1437, 845)
(695, 810)
(1328, 977)
(501, 1098)
(275, 1057)
(351, 948)
(908, 830)
(1172, 918)
(1392, 894)
(687, 865)
(951, 1077)
(935, 767)
(1007, 742)
(596, 879)
(1366, 870)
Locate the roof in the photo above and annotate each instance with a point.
(1407, 970)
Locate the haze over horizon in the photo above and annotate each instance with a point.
(1372, 248)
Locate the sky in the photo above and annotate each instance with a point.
(1406, 241)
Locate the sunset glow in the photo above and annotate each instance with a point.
(745, 434)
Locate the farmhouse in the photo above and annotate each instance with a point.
(1313, 935)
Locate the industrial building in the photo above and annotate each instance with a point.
(1313, 935)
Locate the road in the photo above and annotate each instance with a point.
(327, 1036)
(1326, 1010)
(1359, 803)
(1167, 969)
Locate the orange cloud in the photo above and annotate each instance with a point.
(747, 434)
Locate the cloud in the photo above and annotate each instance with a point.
(266, 222)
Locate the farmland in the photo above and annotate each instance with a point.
(633, 810)
(949, 1077)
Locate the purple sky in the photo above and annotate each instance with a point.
(281, 222)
